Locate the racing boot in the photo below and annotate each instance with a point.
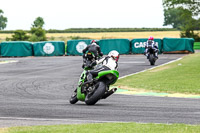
(147, 55)
(110, 92)
(156, 55)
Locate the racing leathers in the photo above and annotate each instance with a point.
(95, 49)
(153, 45)
(108, 63)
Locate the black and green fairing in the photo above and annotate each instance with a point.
(111, 75)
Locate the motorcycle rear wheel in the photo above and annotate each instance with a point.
(152, 59)
(91, 99)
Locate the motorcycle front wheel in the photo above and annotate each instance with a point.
(73, 99)
(92, 98)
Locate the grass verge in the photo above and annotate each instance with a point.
(178, 77)
(108, 128)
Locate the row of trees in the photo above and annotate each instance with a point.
(96, 30)
(183, 15)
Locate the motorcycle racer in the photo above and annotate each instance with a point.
(110, 62)
(94, 50)
(151, 44)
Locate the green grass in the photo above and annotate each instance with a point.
(108, 128)
(182, 76)
(197, 45)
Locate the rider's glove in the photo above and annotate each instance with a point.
(101, 54)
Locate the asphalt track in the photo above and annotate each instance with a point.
(36, 91)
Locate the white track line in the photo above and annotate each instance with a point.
(49, 119)
(150, 68)
(7, 61)
(68, 120)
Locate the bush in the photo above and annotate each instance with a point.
(38, 34)
(19, 35)
(190, 34)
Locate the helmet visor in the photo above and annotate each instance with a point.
(115, 58)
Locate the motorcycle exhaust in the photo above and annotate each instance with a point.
(110, 92)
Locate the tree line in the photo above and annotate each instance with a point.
(96, 30)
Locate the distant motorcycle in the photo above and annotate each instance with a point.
(151, 55)
(98, 89)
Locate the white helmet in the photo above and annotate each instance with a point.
(114, 54)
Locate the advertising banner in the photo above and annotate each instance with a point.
(75, 47)
(16, 48)
(120, 45)
(178, 44)
(138, 45)
(49, 48)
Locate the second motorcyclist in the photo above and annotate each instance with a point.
(93, 48)
(151, 43)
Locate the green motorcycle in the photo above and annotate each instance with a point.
(98, 89)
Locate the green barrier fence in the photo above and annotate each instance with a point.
(138, 45)
(75, 47)
(49, 48)
(178, 44)
(120, 45)
(16, 48)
